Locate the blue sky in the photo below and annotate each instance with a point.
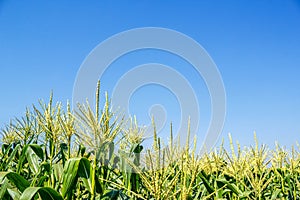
(255, 44)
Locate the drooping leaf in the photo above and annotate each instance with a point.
(16, 179)
(37, 150)
(45, 193)
(14, 193)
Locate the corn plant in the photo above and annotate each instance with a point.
(54, 152)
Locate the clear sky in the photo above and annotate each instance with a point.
(255, 44)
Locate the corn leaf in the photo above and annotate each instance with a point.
(16, 179)
(45, 193)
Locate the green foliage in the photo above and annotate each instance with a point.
(45, 193)
(56, 154)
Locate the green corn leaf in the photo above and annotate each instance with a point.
(22, 158)
(70, 175)
(33, 160)
(3, 188)
(206, 183)
(5, 147)
(34, 153)
(41, 181)
(275, 194)
(76, 168)
(45, 193)
(115, 195)
(11, 157)
(85, 173)
(231, 187)
(16, 179)
(37, 150)
(58, 171)
(14, 193)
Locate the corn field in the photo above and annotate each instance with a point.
(56, 153)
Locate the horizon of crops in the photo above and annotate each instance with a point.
(57, 153)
